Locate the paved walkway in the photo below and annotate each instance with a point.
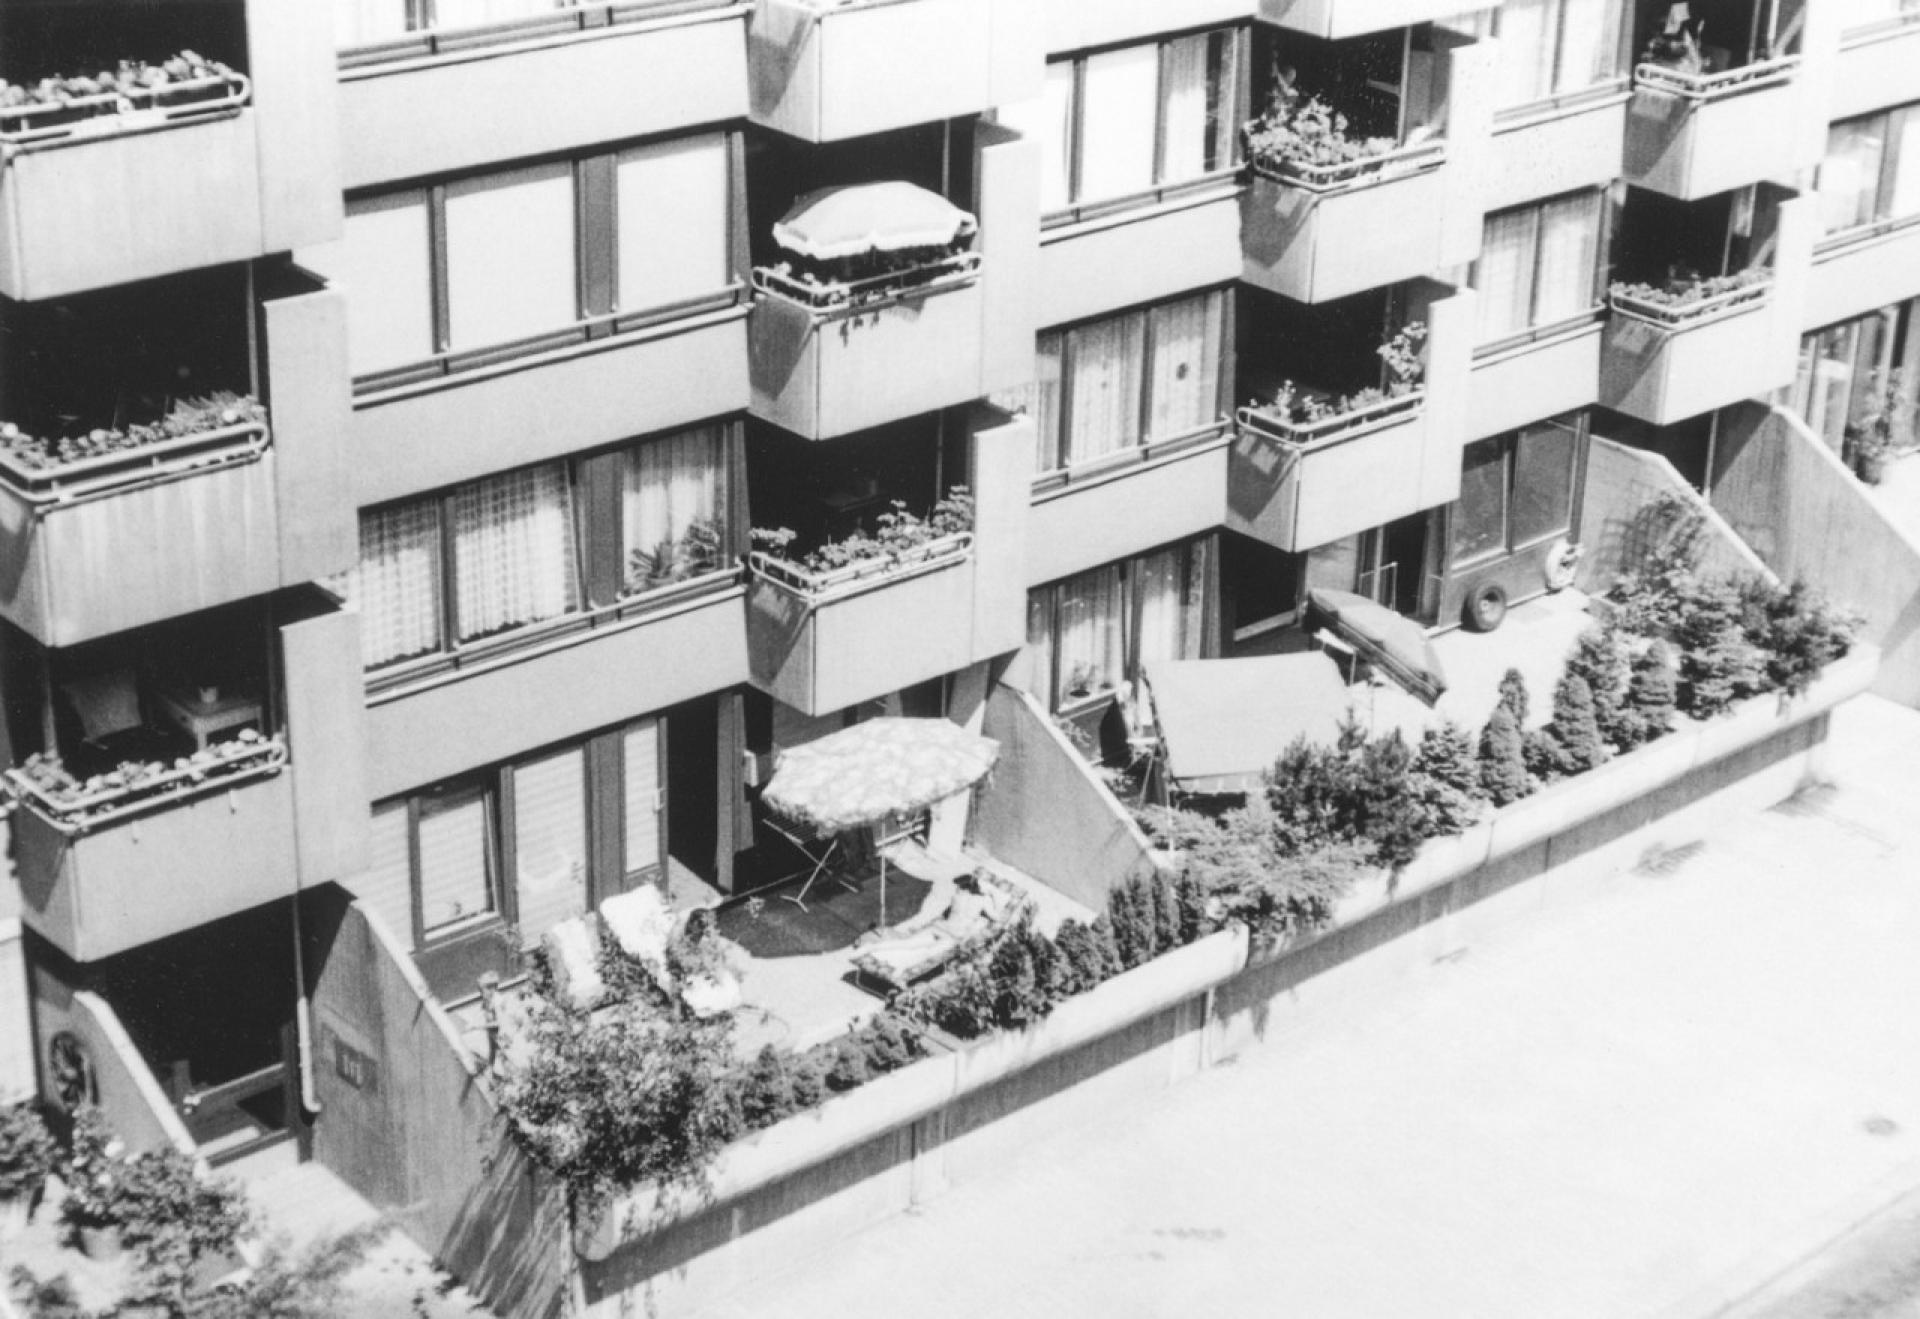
(1648, 1103)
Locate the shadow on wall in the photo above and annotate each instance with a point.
(1628, 511)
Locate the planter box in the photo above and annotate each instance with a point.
(1693, 137)
(1295, 489)
(1525, 383)
(139, 536)
(108, 207)
(822, 372)
(1318, 242)
(1543, 153)
(826, 72)
(862, 638)
(413, 109)
(1665, 371)
(183, 862)
(1336, 19)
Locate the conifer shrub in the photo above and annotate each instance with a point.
(1445, 781)
(1503, 771)
(1514, 698)
(1650, 695)
(1600, 657)
(1573, 733)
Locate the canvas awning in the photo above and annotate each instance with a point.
(832, 223)
(1223, 721)
(862, 775)
(1392, 643)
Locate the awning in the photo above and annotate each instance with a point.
(1392, 643)
(870, 217)
(862, 775)
(1224, 721)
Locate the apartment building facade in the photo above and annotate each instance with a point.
(462, 402)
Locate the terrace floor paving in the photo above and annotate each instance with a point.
(1648, 1101)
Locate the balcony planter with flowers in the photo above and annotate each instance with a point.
(117, 528)
(147, 849)
(1308, 468)
(1676, 349)
(1328, 213)
(91, 170)
(1694, 133)
(864, 616)
(872, 315)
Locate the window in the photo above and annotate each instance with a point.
(1842, 366)
(520, 258)
(549, 840)
(1553, 47)
(510, 551)
(1516, 490)
(1871, 171)
(1539, 265)
(1124, 122)
(455, 866)
(1140, 378)
(1089, 635)
(359, 22)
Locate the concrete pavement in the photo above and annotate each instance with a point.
(1648, 1102)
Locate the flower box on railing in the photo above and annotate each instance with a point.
(1714, 86)
(849, 297)
(40, 124)
(819, 585)
(1343, 425)
(1689, 310)
(67, 481)
(1399, 163)
(75, 806)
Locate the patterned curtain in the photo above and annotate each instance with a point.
(1092, 638)
(1103, 390)
(1569, 257)
(513, 550)
(397, 582)
(1185, 371)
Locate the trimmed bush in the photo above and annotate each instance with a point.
(1513, 696)
(1600, 658)
(1503, 771)
(1650, 695)
(1573, 734)
(1445, 783)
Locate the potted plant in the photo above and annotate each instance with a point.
(1883, 416)
(91, 1210)
(1308, 142)
(1685, 294)
(26, 1157)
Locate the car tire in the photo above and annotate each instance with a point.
(1486, 607)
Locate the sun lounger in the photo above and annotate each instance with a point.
(912, 953)
(642, 926)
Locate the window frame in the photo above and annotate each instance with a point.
(1536, 329)
(1558, 93)
(1892, 123)
(1576, 426)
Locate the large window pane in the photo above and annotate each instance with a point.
(1526, 50)
(549, 841)
(1503, 275)
(672, 230)
(1184, 375)
(510, 256)
(1903, 192)
(386, 885)
(1091, 638)
(1569, 251)
(641, 753)
(456, 859)
(670, 513)
(1048, 120)
(1104, 364)
(1850, 174)
(1589, 43)
(514, 550)
(397, 581)
(386, 267)
(1172, 593)
(1117, 125)
(1542, 483)
(1189, 124)
(1480, 517)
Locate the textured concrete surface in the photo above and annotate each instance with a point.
(1652, 1102)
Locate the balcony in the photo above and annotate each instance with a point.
(1695, 135)
(848, 357)
(183, 803)
(825, 71)
(1877, 64)
(1165, 493)
(1665, 361)
(1546, 373)
(1314, 233)
(1296, 486)
(441, 100)
(1135, 257)
(1338, 19)
(1539, 152)
(1861, 270)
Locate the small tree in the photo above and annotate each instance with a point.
(26, 1153)
(1086, 954)
(1574, 733)
(1600, 657)
(766, 1092)
(846, 1064)
(1445, 781)
(1513, 696)
(1650, 697)
(1503, 772)
(1388, 810)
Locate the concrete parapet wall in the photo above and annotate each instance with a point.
(1622, 482)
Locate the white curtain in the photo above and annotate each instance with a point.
(1526, 50)
(473, 13)
(1187, 101)
(1569, 252)
(670, 508)
(385, 263)
(1048, 120)
(397, 581)
(1103, 387)
(641, 759)
(1904, 197)
(1503, 275)
(1092, 638)
(1850, 175)
(1172, 587)
(672, 200)
(456, 860)
(510, 256)
(549, 841)
(1184, 375)
(1589, 43)
(513, 550)
(1117, 122)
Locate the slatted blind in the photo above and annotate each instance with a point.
(456, 861)
(386, 886)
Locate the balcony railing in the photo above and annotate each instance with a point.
(855, 295)
(74, 805)
(820, 585)
(1714, 86)
(545, 20)
(1346, 424)
(1399, 163)
(65, 481)
(1691, 311)
(141, 97)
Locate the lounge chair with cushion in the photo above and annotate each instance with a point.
(919, 948)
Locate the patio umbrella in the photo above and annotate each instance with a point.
(1392, 643)
(870, 217)
(883, 767)
(1224, 721)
